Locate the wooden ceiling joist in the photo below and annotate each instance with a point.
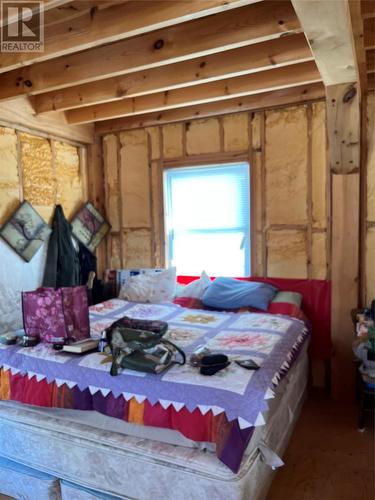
(236, 28)
(46, 5)
(288, 76)
(244, 60)
(98, 26)
(276, 98)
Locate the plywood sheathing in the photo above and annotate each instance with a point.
(287, 253)
(70, 189)
(172, 140)
(9, 178)
(286, 166)
(203, 136)
(235, 128)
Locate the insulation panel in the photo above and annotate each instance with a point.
(286, 254)
(286, 166)
(135, 183)
(172, 140)
(236, 133)
(68, 177)
(9, 178)
(203, 136)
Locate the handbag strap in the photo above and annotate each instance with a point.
(178, 349)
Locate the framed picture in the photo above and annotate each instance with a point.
(89, 227)
(25, 231)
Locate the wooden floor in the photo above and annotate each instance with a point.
(327, 458)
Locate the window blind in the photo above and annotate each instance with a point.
(207, 219)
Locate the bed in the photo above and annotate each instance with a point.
(95, 436)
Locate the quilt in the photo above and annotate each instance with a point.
(223, 408)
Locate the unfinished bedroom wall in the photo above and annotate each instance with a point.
(286, 150)
(369, 263)
(44, 172)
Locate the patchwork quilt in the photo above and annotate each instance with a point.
(223, 408)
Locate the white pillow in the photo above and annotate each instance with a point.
(196, 288)
(155, 287)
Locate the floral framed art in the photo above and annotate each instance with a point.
(25, 231)
(89, 226)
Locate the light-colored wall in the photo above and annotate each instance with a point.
(286, 149)
(44, 172)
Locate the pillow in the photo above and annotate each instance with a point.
(196, 288)
(294, 298)
(229, 293)
(189, 302)
(155, 287)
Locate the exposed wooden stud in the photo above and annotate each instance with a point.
(253, 194)
(344, 261)
(218, 33)
(289, 76)
(206, 159)
(221, 134)
(369, 33)
(309, 240)
(120, 21)
(343, 121)
(82, 153)
(264, 194)
(370, 61)
(243, 60)
(19, 166)
(282, 97)
(367, 8)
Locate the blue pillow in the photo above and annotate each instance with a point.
(229, 293)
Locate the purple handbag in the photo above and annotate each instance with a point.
(56, 315)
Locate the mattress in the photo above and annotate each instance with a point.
(133, 467)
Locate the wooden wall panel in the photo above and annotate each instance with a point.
(286, 166)
(172, 140)
(319, 166)
(287, 254)
(135, 179)
(9, 175)
(203, 136)
(236, 135)
(157, 255)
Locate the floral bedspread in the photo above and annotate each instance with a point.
(236, 394)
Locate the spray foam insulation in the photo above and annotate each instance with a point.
(286, 254)
(172, 140)
(236, 133)
(9, 179)
(286, 166)
(68, 178)
(203, 136)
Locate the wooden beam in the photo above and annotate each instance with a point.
(356, 24)
(18, 113)
(46, 5)
(235, 62)
(343, 124)
(96, 27)
(326, 25)
(218, 33)
(288, 76)
(294, 95)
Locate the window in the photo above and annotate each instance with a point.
(207, 219)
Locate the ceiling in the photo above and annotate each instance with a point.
(139, 62)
